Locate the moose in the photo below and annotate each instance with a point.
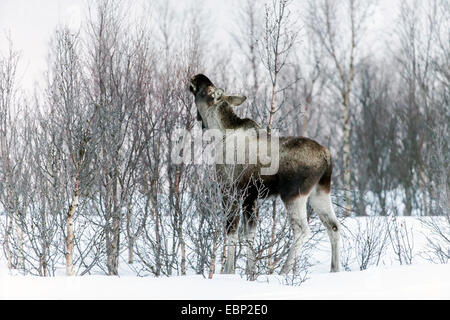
(304, 171)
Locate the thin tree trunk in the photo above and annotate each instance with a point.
(6, 248)
(272, 105)
(180, 219)
(304, 131)
(116, 237)
(212, 266)
(130, 251)
(408, 201)
(273, 235)
(423, 186)
(43, 256)
(116, 219)
(348, 89)
(5, 158)
(346, 155)
(20, 243)
(131, 237)
(69, 227)
(158, 241)
(224, 251)
(269, 130)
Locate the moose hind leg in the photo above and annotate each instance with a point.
(296, 209)
(320, 201)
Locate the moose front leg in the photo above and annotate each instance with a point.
(250, 232)
(231, 243)
(250, 220)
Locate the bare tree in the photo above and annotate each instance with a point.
(339, 30)
(9, 155)
(374, 143)
(249, 31)
(45, 193)
(279, 37)
(438, 239)
(167, 186)
(370, 239)
(401, 237)
(215, 201)
(72, 117)
(119, 80)
(421, 54)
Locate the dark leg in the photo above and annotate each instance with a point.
(232, 223)
(250, 219)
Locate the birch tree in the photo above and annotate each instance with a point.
(279, 38)
(339, 28)
(72, 117)
(9, 154)
(421, 55)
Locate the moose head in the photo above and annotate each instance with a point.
(210, 99)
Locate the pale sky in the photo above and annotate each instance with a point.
(31, 24)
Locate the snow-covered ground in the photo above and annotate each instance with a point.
(426, 281)
(384, 278)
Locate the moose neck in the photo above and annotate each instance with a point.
(222, 117)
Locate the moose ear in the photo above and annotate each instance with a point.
(236, 100)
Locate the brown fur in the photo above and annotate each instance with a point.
(231, 120)
(303, 162)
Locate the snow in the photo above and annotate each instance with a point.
(385, 279)
(423, 281)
